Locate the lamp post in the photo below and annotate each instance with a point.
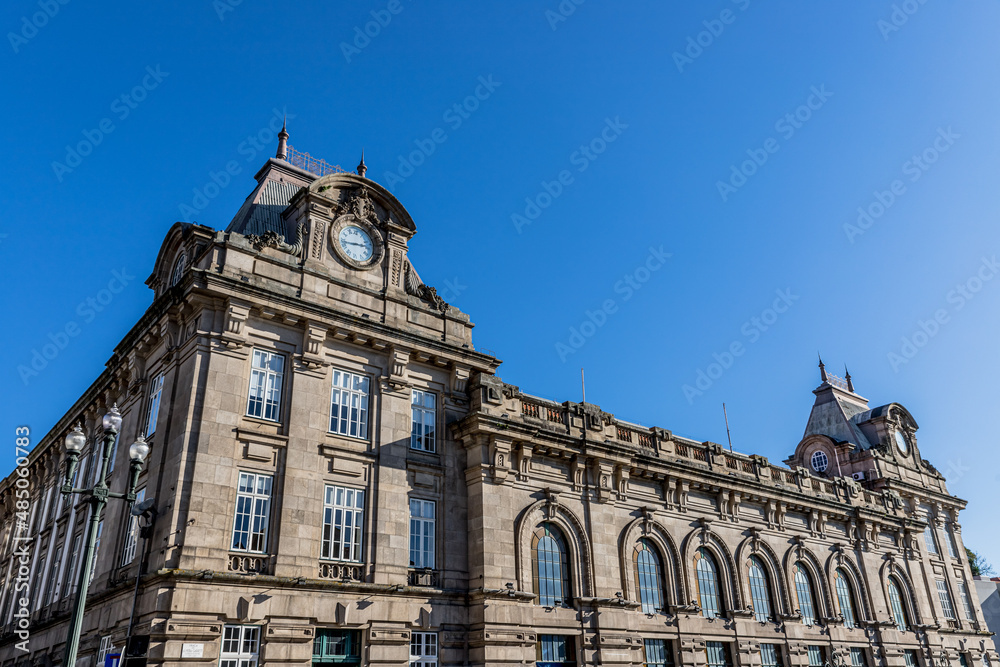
(98, 498)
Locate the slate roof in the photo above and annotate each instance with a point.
(277, 183)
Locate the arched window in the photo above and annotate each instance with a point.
(845, 599)
(178, 271)
(759, 592)
(896, 604)
(804, 592)
(550, 565)
(648, 577)
(708, 583)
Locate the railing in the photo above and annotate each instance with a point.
(699, 455)
(249, 564)
(341, 571)
(624, 434)
(423, 578)
(646, 440)
(731, 463)
(529, 409)
(682, 450)
(312, 164)
(553, 415)
(747, 466)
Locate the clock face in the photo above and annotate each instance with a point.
(356, 243)
(901, 441)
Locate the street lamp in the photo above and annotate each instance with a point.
(98, 498)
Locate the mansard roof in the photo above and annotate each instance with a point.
(277, 183)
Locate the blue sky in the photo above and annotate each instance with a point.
(739, 138)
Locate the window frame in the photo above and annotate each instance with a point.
(253, 497)
(897, 604)
(241, 657)
(421, 536)
(710, 576)
(760, 589)
(804, 585)
(153, 405)
(776, 648)
(812, 651)
(363, 408)
(545, 580)
(665, 650)
(329, 528)
(944, 597)
(352, 640)
(568, 642)
(423, 659)
(259, 379)
(106, 647)
(722, 649)
(840, 577)
(649, 577)
(423, 442)
(130, 545)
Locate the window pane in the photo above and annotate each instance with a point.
(815, 654)
(759, 593)
(253, 506)
(650, 577)
(770, 655)
(803, 589)
(343, 521)
(845, 600)
(349, 405)
(708, 584)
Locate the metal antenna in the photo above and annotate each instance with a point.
(729, 437)
(583, 386)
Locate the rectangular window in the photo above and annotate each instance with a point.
(132, 535)
(155, 391)
(770, 655)
(421, 533)
(264, 399)
(337, 647)
(658, 653)
(717, 654)
(423, 649)
(945, 597)
(910, 658)
(962, 660)
(52, 587)
(240, 646)
(929, 539)
(857, 657)
(555, 651)
(253, 509)
(422, 423)
(106, 648)
(970, 614)
(349, 404)
(949, 540)
(97, 552)
(69, 583)
(815, 654)
(343, 518)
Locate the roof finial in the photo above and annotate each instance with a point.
(362, 168)
(282, 153)
(822, 369)
(847, 376)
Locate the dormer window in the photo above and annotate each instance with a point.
(820, 461)
(179, 266)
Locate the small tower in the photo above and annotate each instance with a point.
(282, 153)
(362, 168)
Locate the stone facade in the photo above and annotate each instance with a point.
(491, 468)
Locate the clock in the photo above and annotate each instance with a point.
(901, 441)
(356, 243)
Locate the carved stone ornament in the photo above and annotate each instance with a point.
(272, 239)
(361, 205)
(415, 287)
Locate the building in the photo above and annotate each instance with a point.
(340, 477)
(989, 595)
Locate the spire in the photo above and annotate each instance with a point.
(847, 376)
(822, 369)
(282, 142)
(362, 168)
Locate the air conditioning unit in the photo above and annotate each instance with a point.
(858, 476)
